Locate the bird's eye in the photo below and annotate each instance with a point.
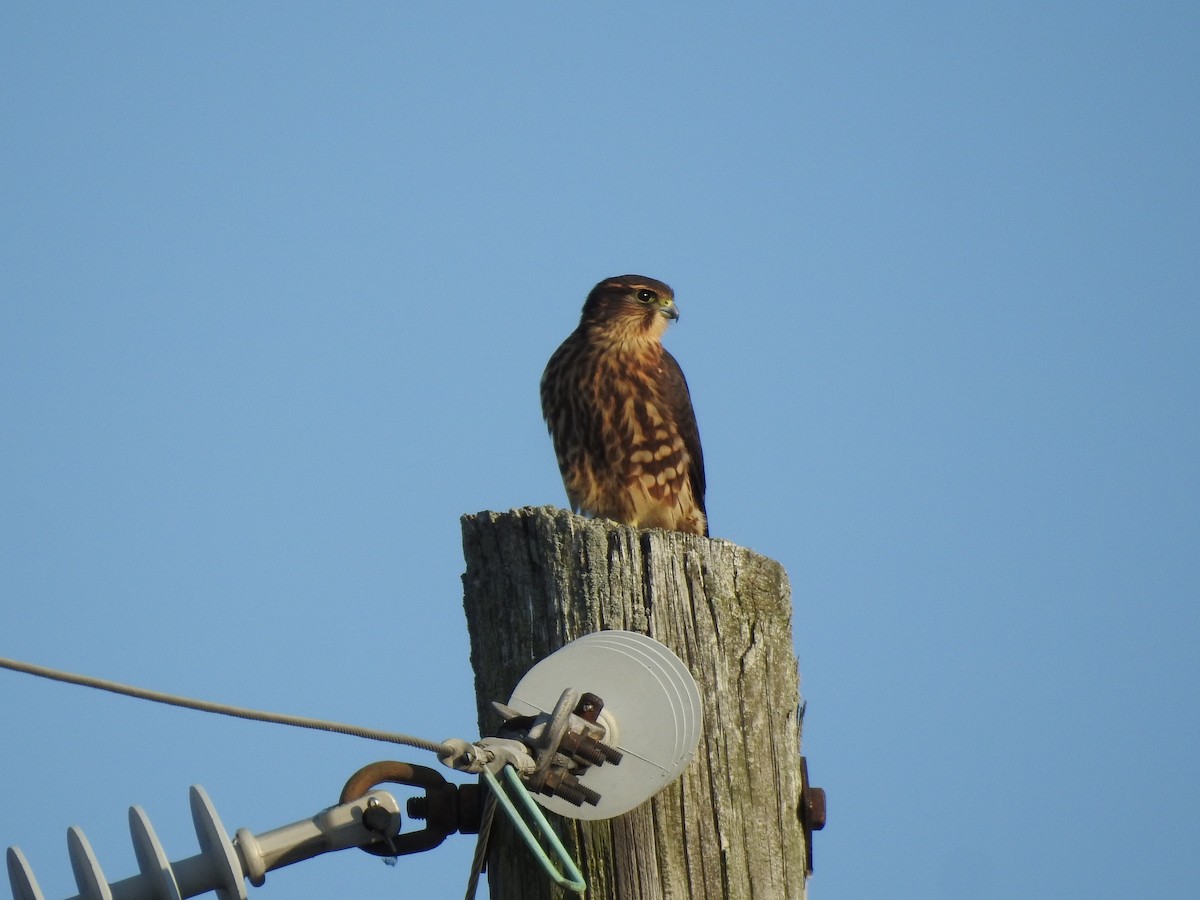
(646, 296)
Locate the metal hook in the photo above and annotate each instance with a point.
(446, 808)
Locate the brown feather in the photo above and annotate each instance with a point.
(620, 413)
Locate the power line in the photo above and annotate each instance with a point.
(225, 709)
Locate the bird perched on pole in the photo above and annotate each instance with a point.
(620, 413)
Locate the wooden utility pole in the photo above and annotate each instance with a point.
(729, 829)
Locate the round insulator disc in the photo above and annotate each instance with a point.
(648, 694)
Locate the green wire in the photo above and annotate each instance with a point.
(573, 880)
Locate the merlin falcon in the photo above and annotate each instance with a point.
(620, 413)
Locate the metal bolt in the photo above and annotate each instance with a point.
(589, 749)
(556, 782)
(816, 808)
(375, 818)
(418, 808)
(811, 811)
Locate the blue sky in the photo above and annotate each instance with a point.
(278, 281)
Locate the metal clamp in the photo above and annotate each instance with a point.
(445, 807)
(565, 742)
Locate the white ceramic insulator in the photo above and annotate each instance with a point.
(20, 876)
(157, 874)
(88, 875)
(221, 865)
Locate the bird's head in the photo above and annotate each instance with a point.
(630, 307)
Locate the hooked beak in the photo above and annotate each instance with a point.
(670, 310)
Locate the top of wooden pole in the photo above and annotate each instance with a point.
(537, 578)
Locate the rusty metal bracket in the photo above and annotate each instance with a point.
(445, 807)
(811, 811)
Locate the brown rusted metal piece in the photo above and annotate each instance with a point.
(812, 812)
(588, 749)
(446, 807)
(558, 782)
(589, 707)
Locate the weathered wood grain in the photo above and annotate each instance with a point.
(728, 829)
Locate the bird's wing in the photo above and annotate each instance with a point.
(679, 399)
